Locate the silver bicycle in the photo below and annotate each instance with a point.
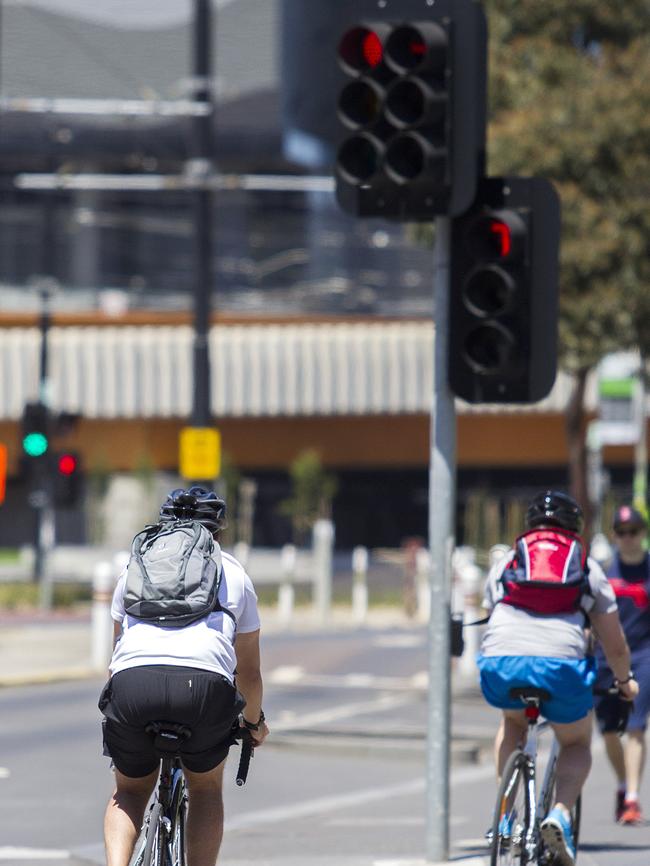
(519, 808)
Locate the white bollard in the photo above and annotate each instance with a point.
(101, 621)
(241, 552)
(360, 585)
(470, 580)
(423, 583)
(323, 544)
(286, 592)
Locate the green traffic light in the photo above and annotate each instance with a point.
(35, 444)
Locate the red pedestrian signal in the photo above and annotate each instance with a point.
(67, 479)
(67, 464)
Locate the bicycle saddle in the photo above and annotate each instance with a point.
(529, 693)
(168, 736)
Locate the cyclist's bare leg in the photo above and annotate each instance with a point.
(614, 748)
(124, 816)
(574, 760)
(204, 816)
(634, 760)
(510, 735)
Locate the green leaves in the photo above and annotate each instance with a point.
(569, 101)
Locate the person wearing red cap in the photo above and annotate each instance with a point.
(629, 576)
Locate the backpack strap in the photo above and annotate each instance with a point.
(217, 604)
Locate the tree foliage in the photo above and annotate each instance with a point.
(569, 101)
(312, 492)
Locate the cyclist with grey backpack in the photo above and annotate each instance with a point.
(185, 616)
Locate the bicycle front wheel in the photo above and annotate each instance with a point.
(575, 822)
(511, 814)
(178, 816)
(150, 853)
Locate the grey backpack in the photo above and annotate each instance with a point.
(173, 575)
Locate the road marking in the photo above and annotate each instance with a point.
(293, 675)
(312, 720)
(344, 801)
(323, 804)
(399, 641)
(8, 853)
(465, 861)
(286, 675)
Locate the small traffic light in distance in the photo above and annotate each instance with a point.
(35, 430)
(67, 479)
(412, 102)
(504, 293)
(3, 472)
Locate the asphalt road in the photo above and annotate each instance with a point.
(341, 780)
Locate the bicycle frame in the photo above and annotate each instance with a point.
(171, 777)
(166, 837)
(539, 804)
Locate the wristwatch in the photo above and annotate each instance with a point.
(251, 726)
(624, 682)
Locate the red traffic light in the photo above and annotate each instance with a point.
(67, 464)
(361, 50)
(502, 237)
(496, 236)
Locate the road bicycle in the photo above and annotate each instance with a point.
(163, 839)
(519, 811)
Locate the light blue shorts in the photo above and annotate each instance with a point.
(569, 682)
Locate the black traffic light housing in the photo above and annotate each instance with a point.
(35, 431)
(412, 104)
(504, 293)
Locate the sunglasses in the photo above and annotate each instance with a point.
(621, 533)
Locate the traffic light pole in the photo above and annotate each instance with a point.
(41, 495)
(442, 471)
(199, 169)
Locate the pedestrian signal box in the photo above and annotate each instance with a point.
(199, 453)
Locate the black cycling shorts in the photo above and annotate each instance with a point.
(201, 700)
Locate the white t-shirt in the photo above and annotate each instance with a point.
(512, 631)
(207, 644)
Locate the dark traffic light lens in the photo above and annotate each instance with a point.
(411, 102)
(489, 349)
(360, 104)
(360, 50)
(409, 155)
(359, 158)
(487, 291)
(411, 49)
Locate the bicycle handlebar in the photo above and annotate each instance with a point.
(245, 756)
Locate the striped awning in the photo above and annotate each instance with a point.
(258, 370)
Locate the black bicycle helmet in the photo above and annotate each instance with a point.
(196, 503)
(555, 509)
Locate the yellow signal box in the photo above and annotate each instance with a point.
(199, 453)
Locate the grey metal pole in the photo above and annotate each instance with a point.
(200, 168)
(441, 539)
